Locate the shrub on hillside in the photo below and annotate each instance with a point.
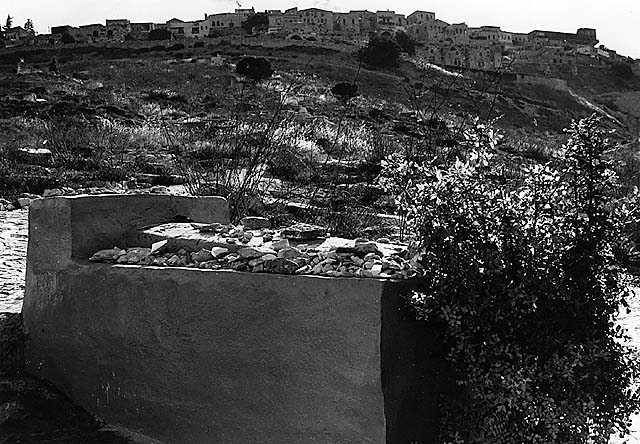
(160, 34)
(67, 39)
(522, 283)
(622, 70)
(255, 21)
(345, 91)
(407, 44)
(381, 52)
(255, 68)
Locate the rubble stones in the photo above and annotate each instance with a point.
(255, 223)
(219, 251)
(253, 252)
(289, 253)
(304, 231)
(137, 255)
(110, 255)
(280, 244)
(202, 256)
(229, 247)
(281, 266)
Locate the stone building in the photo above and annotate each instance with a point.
(433, 54)
(457, 34)
(584, 36)
(429, 31)
(16, 34)
(140, 31)
(491, 35)
(118, 29)
(389, 20)
(420, 17)
(317, 20)
(181, 29)
(93, 33)
(287, 22)
(346, 23)
(224, 21)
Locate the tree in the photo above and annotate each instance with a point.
(28, 26)
(8, 23)
(622, 70)
(381, 51)
(160, 34)
(345, 91)
(255, 68)
(407, 44)
(521, 282)
(255, 20)
(67, 38)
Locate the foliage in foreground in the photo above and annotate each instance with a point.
(524, 285)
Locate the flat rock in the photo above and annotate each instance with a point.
(255, 223)
(202, 256)
(109, 255)
(289, 253)
(304, 231)
(281, 266)
(280, 244)
(254, 252)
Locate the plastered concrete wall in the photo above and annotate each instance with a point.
(200, 356)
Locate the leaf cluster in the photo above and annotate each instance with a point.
(522, 282)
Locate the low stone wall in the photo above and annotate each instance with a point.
(199, 356)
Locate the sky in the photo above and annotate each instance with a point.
(617, 21)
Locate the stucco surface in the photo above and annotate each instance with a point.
(196, 356)
(199, 356)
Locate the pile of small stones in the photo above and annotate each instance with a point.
(279, 251)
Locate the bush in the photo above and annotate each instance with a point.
(382, 52)
(406, 43)
(622, 70)
(255, 68)
(160, 34)
(345, 91)
(523, 285)
(259, 20)
(67, 38)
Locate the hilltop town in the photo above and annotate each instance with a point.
(484, 48)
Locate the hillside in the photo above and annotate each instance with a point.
(145, 97)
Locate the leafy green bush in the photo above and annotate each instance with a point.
(523, 283)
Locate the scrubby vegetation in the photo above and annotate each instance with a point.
(523, 281)
(382, 52)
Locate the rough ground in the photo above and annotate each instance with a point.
(32, 412)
